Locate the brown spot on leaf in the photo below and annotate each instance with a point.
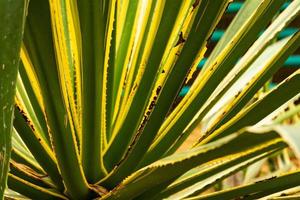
(196, 3)
(158, 90)
(180, 40)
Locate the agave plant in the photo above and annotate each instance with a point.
(95, 96)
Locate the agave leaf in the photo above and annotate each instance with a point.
(260, 109)
(14, 195)
(260, 45)
(292, 193)
(141, 49)
(224, 90)
(201, 186)
(256, 190)
(25, 172)
(21, 154)
(173, 166)
(109, 63)
(199, 179)
(244, 88)
(67, 46)
(94, 20)
(28, 78)
(235, 26)
(130, 125)
(259, 73)
(43, 155)
(12, 14)
(124, 48)
(39, 46)
(287, 197)
(270, 119)
(286, 115)
(31, 190)
(193, 44)
(205, 84)
(25, 102)
(97, 98)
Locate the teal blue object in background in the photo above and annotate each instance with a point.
(216, 36)
(236, 6)
(184, 90)
(292, 61)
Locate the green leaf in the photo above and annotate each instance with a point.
(26, 96)
(257, 75)
(256, 190)
(201, 178)
(21, 154)
(31, 190)
(240, 72)
(119, 142)
(124, 50)
(64, 21)
(173, 166)
(12, 18)
(287, 115)
(193, 44)
(39, 47)
(39, 150)
(262, 12)
(94, 21)
(110, 71)
(288, 133)
(25, 172)
(99, 116)
(259, 109)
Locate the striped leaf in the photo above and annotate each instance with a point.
(173, 166)
(39, 45)
(99, 113)
(205, 84)
(12, 18)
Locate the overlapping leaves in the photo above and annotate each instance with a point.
(96, 91)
